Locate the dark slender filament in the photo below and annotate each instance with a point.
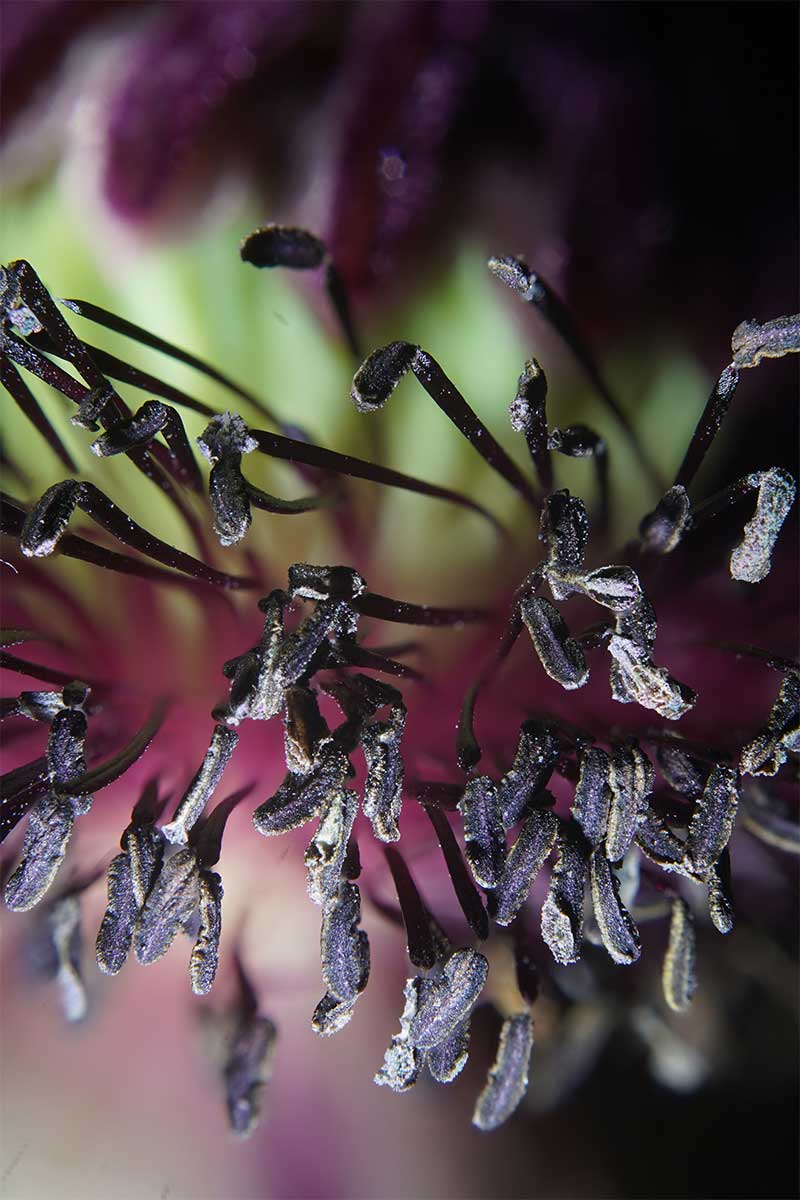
(370, 604)
(22, 395)
(308, 454)
(118, 764)
(421, 948)
(468, 895)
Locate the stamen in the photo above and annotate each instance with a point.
(538, 751)
(631, 782)
(593, 794)
(205, 954)
(560, 655)
(403, 1061)
(12, 519)
(247, 1070)
(720, 893)
(531, 287)
(562, 911)
(49, 829)
(47, 521)
(380, 374)
(712, 821)
(370, 604)
(659, 843)
(109, 320)
(286, 246)
(678, 975)
(468, 895)
(201, 789)
(682, 772)
(301, 796)
(448, 1059)
(708, 426)
(448, 1000)
(528, 415)
(508, 1078)
(620, 935)
(525, 859)
(325, 855)
(483, 830)
(131, 876)
(344, 949)
(752, 558)
(767, 751)
(170, 906)
(416, 918)
(750, 342)
(308, 454)
(662, 529)
(383, 786)
(19, 391)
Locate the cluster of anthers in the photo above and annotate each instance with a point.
(163, 883)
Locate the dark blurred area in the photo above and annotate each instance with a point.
(644, 156)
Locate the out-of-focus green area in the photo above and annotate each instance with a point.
(271, 332)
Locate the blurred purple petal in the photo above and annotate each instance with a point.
(188, 65)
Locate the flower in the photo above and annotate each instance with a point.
(558, 743)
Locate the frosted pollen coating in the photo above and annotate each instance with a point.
(483, 830)
(636, 679)
(518, 276)
(448, 1000)
(344, 948)
(325, 855)
(201, 789)
(751, 342)
(525, 859)
(205, 955)
(620, 935)
(593, 794)
(49, 828)
(138, 430)
(116, 928)
(536, 756)
(713, 818)
(507, 1082)
(302, 796)
(47, 521)
(658, 842)
(678, 974)
(403, 1061)
(383, 786)
(448, 1059)
(379, 375)
(562, 911)
(767, 751)
(170, 906)
(560, 655)
(331, 1015)
(752, 558)
(631, 781)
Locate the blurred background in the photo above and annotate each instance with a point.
(644, 158)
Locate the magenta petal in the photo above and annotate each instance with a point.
(407, 72)
(189, 65)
